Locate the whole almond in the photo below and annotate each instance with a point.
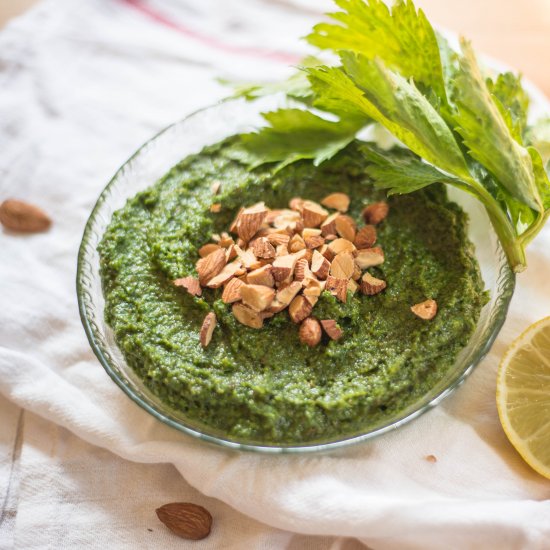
(187, 520)
(23, 217)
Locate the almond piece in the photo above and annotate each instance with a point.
(278, 238)
(209, 266)
(345, 227)
(283, 267)
(282, 250)
(235, 222)
(332, 329)
(342, 266)
(330, 237)
(296, 244)
(337, 287)
(340, 245)
(301, 269)
(257, 297)
(231, 292)
(215, 207)
(215, 187)
(190, 284)
(337, 201)
(186, 520)
(226, 241)
(288, 293)
(314, 242)
(247, 316)
(207, 329)
(299, 309)
(352, 286)
(249, 260)
(369, 257)
(310, 332)
(250, 220)
(231, 253)
(304, 253)
(371, 285)
(313, 287)
(313, 214)
(286, 218)
(375, 213)
(228, 272)
(261, 276)
(320, 266)
(425, 310)
(356, 273)
(366, 237)
(296, 204)
(23, 217)
(328, 227)
(208, 249)
(271, 215)
(262, 248)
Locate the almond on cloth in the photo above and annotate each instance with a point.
(23, 217)
(190, 284)
(425, 310)
(310, 332)
(187, 520)
(207, 329)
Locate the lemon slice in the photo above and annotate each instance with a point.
(523, 395)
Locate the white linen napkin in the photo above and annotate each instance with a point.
(82, 85)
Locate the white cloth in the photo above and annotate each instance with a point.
(82, 85)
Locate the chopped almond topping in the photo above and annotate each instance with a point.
(247, 316)
(250, 220)
(337, 201)
(366, 237)
(342, 266)
(226, 241)
(235, 222)
(296, 204)
(287, 294)
(215, 207)
(231, 292)
(262, 248)
(311, 232)
(320, 266)
(278, 238)
(231, 253)
(211, 265)
(262, 276)
(301, 270)
(333, 331)
(313, 287)
(313, 214)
(375, 213)
(257, 297)
(227, 273)
(283, 267)
(310, 332)
(208, 249)
(286, 219)
(371, 285)
(339, 245)
(207, 329)
(425, 310)
(304, 253)
(190, 284)
(299, 309)
(282, 250)
(328, 227)
(338, 287)
(314, 242)
(296, 243)
(345, 227)
(369, 257)
(352, 286)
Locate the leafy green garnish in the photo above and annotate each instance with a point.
(455, 125)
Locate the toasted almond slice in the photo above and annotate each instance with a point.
(371, 285)
(283, 266)
(287, 294)
(328, 227)
(313, 287)
(352, 286)
(228, 272)
(215, 187)
(310, 332)
(375, 213)
(278, 238)
(369, 257)
(299, 309)
(211, 265)
(301, 270)
(296, 204)
(296, 243)
(208, 249)
(425, 310)
(250, 220)
(332, 329)
(257, 297)
(313, 214)
(345, 227)
(231, 292)
(320, 266)
(262, 276)
(337, 201)
(314, 242)
(235, 222)
(247, 316)
(262, 248)
(207, 329)
(340, 245)
(338, 287)
(342, 266)
(366, 237)
(215, 207)
(190, 284)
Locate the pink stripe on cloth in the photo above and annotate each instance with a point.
(212, 42)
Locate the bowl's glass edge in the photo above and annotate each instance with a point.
(506, 284)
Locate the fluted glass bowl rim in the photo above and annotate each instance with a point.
(506, 285)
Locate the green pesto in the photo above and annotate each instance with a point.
(264, 385)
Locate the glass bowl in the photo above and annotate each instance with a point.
(152, 161)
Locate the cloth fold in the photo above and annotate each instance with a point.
(82, 85)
